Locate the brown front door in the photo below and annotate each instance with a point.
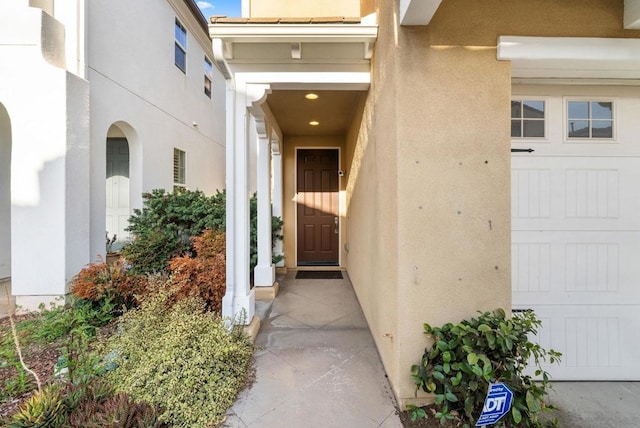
(317, 198)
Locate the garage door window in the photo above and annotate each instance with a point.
(590, 119)
(527, 119)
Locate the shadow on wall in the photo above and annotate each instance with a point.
(42, 234)
(5, 193)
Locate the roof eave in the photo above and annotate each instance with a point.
(294, 33)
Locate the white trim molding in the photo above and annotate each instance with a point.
(418, 12)
(294, 33)
(571, 57)
(295, 36)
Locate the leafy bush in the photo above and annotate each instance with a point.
(181, 358)
(204, 275)
(163, 228)
(113, 283)
(465, 358)
(276, 229)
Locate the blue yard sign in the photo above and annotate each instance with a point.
(496, 405)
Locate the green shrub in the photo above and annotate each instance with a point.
(465, 358)
(181, 358)
(163, 228)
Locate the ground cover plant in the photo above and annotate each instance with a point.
(202, 355)
(140, 342)
(130, 350)
(465, 358)
(180, 357)
(55, 341)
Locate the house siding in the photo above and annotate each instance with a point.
(65, 80)
(152, 100)
(436, 151)
(295, 9)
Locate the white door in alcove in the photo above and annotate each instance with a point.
(117, 208)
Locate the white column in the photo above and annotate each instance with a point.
(265, 272)
(277, 209)
(239, 300)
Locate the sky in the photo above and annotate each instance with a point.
(230, 8)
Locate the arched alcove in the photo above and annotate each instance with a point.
(118, 187)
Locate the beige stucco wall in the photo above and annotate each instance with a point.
(290, 144)
(316, 8)
(367, 7)
(429, 206)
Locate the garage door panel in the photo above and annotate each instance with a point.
(579, 268)
(576, 235)
(574, 193)
(594, 341)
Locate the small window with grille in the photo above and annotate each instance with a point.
(179, 170)
(590, 119)
(527, 119)
(181, 47)
(208, 76)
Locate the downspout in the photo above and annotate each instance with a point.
(220, 61)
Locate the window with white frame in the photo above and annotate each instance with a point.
(181, 47)
(208, 76)
(527, 118)
(179, 169)
(589, 119)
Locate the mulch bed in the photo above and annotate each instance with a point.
(429, 422)
(39, 358)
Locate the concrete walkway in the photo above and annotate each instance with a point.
(597, 404)
(316, 363)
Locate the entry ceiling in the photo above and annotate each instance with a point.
(334, 110)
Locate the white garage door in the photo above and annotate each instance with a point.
(576, 225)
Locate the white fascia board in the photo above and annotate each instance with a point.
(294, 33)
(632, 14)
(571, 57)
(418, 12)
(287, 79)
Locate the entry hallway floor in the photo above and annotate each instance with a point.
(316, 363)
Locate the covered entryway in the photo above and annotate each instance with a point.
(576, 225)
(288, 94)
(318, 230)
(118, 207)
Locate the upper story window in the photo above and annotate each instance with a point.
(179, 169)
(527, 119)
(181, 47)
(208, 76)
(589, 119)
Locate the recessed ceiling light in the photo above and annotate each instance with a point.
(311, 96)
(314, 123)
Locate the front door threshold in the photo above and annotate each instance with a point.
(303, 264)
